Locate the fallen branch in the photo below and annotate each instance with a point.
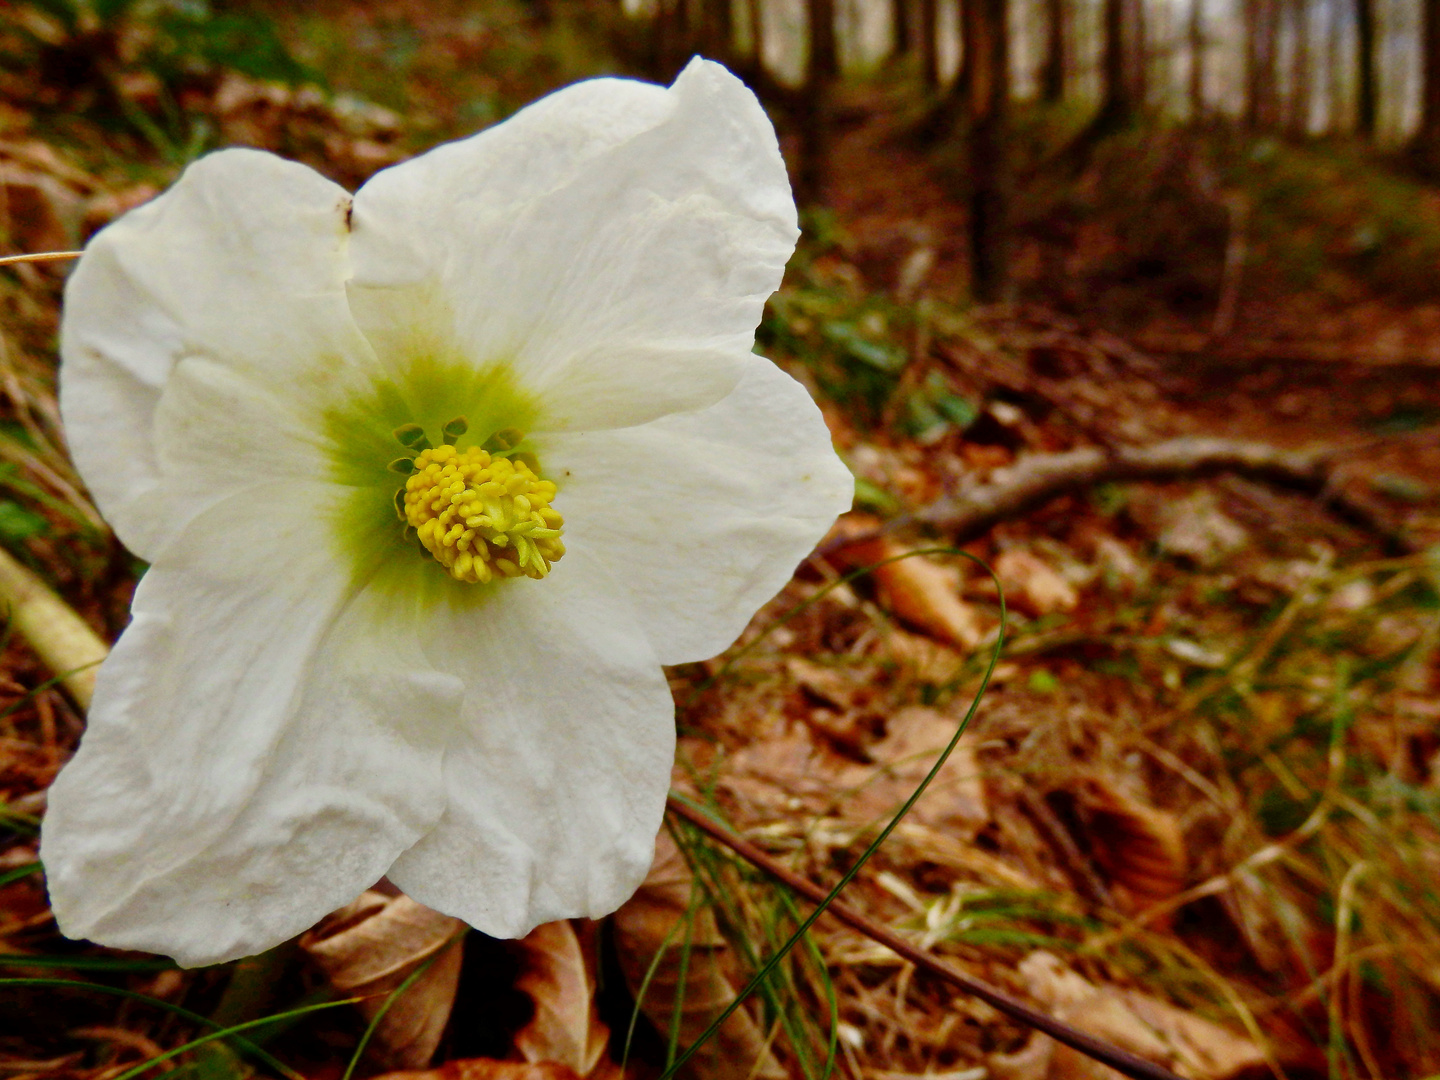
(61, 638)
(1035, 479)
(1120, 1060)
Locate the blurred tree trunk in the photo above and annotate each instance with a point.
(1365, 103)
(1137, 55)
(824, 62)
(1425, 148)
(902, 41)
(951, 115)
(1298, 118)
(1338, 103)
(754, 45)
(717, 31)
(1196, 35)
(1057, 58)
(812, 113)
(1118, 107)
(989, 82)
(674, 40)
(1261, 25)
(929, 45)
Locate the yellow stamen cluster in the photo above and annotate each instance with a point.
(482, 516)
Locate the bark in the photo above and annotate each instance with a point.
(1056, 65)
(1365, 98)
(989, 171)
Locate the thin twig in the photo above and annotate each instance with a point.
(1120, 1060)
(40, 256)
(1035, 479)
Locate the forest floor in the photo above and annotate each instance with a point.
(1196, 809)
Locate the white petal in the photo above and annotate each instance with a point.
(615, 242)
(557, 775)
(264, 741)
(704, 516)
(242, 262)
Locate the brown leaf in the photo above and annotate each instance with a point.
(370, 947)
(556, 974)
(914, 737)
(916, 590)
(1032, 585)
(487, 1069)
(37, 212)
(1137, 1022)
(642, 926)
(1141, 849)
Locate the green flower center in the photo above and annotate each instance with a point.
(477, 506)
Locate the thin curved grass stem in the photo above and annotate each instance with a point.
(1121, 1060)
(800, 932)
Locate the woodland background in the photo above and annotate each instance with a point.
(1137, 300)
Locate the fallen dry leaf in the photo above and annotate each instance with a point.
(38, 212)
(557, 976)
(1032, 586)
(370, 947)
(916, 590)
(1137, 1022)
(1140, 849)
(642, 926)
(914, 737)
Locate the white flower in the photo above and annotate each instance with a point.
(306, 699)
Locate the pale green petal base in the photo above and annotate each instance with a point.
(369, 538)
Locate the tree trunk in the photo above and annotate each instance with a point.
(674, 35)
(1425, 148)
(717, 34)
(1298, 118)
(812, 115)
(1137, 54)
(1196, 35)
(1338, 103)
(1365, 98)
(755, 41)
(1118, 107)
(902, 41)
(929, 45)
(824, 63)
(989, 59)
(1261, 24)
(1052, 72)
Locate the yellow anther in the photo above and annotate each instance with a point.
(483, 516)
